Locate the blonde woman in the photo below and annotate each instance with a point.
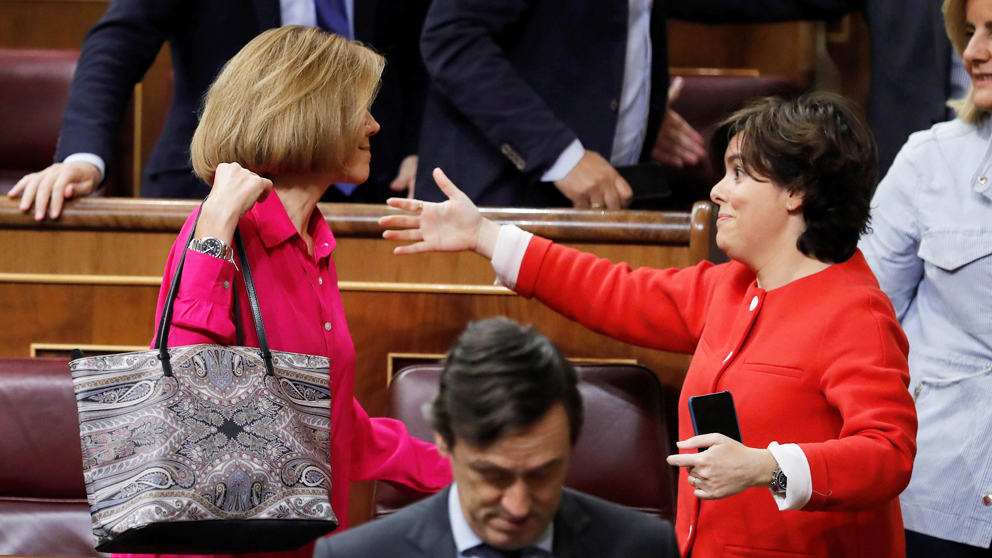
(285, 119)
(931, 250)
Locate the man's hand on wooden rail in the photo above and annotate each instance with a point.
(49, 188)
(595, 184)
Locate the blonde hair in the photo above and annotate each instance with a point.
(293, 100)
(955, 21)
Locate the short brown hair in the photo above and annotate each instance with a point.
(955, 21)
(818, 145)
(501, 377)
(293, 100)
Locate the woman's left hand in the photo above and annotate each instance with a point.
(726, 468)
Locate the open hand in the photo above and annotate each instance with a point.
(726, 468)
(452, 226)
(678, 144)
(48, 188)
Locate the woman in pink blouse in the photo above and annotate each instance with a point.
(286, 119)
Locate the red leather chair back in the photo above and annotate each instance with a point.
(34, 88)
(705, 101)
(620, 455)
(43, 507)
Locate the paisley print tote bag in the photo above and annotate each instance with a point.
(205, 449)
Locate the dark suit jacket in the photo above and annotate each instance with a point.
(203, 35)
(910, 55)
(585, 526)
(514, 82)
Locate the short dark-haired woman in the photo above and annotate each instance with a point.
(795, 327)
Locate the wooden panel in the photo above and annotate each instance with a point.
(93, 277)
(849, 46)
(782, 49)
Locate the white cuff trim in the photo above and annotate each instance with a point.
(508, 254)
(794, 464)
(566, 162)
(90, 158)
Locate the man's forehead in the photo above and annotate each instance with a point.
(523, 449)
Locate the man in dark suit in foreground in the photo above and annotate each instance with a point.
(507, 413)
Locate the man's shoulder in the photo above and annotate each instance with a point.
(389, 535)
(624, 531)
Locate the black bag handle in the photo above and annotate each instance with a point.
(162, 336)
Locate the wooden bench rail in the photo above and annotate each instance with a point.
(361, 221)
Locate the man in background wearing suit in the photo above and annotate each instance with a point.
(507, 413)
(535, 102)
(203, 35)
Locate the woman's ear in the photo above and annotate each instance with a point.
(442, 447)
(794, 201)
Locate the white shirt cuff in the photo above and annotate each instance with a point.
(795, 466)
(94, 160)
(508, 254)
(566, 162)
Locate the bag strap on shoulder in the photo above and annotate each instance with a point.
(165, 323)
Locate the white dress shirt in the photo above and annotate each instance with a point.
(508, 256)
(465, 537)
(632, 114)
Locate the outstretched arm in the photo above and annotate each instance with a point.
(663, 309)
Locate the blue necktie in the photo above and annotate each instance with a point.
(332, 17)
(486, 551)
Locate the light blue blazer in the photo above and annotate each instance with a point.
(931, 249)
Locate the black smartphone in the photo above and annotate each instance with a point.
(715, 412)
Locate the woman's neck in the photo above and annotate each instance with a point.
(786, 266)
(299, 194)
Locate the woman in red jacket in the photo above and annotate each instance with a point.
(794, 326)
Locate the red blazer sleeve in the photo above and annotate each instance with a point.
(872, 460)
(662, 309)
(203, 311)
(382, 448)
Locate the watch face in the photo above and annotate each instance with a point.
(781, 480)
(212, 247)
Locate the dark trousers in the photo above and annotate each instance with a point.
(919, 545)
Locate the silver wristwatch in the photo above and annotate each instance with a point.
(779, 481)
(213, 247)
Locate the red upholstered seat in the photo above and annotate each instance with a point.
(620, 456)
(43, 507)
(34, 88)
